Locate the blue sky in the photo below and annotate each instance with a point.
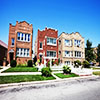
(68, 16)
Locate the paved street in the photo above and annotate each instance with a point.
(76, 89)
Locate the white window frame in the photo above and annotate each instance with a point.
(77, 43)
(12, 39)
(53, 53)
(39, 46)
(67, 53)
(25, 52)
(25, 39)
(67, 62)
(68, 42)
(78, 54)
(49, 43)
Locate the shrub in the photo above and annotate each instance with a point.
(58, 61)
(48, 64)
(46, 72)
(52, 62)
(77, 63)
(30, 64)
(66, 70)
(13, 63)
(21, 65)
(86, 64)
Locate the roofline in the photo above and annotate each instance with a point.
(70, 34)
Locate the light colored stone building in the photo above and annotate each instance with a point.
(71, 48)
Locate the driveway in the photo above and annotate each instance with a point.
(76, 89)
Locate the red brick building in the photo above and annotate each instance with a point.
(46, 45)
(20, 42)
(3, 52)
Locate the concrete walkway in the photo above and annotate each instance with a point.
(3, 68)
(20, 73)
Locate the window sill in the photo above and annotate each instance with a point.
(23, 57)
(40, 48)
(23, 41)
(51, 44)
(12, 46)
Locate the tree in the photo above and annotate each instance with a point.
(89, 55)
(98, 53)
(77, 63)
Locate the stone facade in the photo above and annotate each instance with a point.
(46, 45)
(20, 42)
(71, 48)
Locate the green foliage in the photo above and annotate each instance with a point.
(21, 65)
(86, 64)
(52, 62)
(22, 78)
(21, 69)
(61, 75)
(77, 63)
(48, 64)
(98, 54)
(46, 72)
(29, 63)
(89, 55)
(66, 70)
(58, 61)
(13, 63)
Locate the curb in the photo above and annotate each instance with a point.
(44, 82)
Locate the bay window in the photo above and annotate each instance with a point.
(51, 53)
(22, 52)
(23, 37)
(51, 41)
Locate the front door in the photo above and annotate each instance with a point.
(11, 56)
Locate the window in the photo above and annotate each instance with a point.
(27, 52)
(18, 36)
(22, 52)
(59, 52)
(17, 52)
(59, 41)
(51, 41)
(77, 43)
(67, 62)
(12, 41)
(28, 37)
(78, 54)
(23, 37)
(67, 53)
(71, 53)
(51, 53)
(68, 42)
(41, 45)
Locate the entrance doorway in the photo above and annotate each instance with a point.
(40, 59)
(11, 56)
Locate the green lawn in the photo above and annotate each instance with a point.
(96, 68)
(1, 68)
(96, 73)
(61, 75)
(21, 69)
(23, 78)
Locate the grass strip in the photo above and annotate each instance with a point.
(61, 75)
(21, 69)
(23, 78)
(96, 73)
